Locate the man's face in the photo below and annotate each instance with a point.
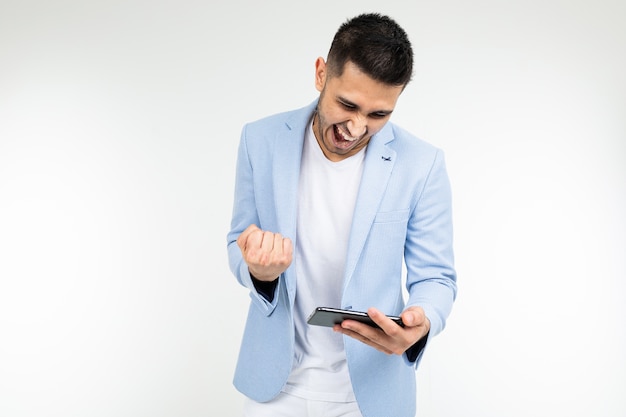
(351, 109)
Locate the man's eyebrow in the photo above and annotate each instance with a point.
(347, 102)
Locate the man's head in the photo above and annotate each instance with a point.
(377, 45)
(369, 64)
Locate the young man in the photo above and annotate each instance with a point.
(330, 200)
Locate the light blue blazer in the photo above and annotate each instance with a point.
(403, 213)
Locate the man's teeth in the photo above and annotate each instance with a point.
(344, 136)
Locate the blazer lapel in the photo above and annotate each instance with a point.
(379, 162)
(286, 169)
(285, 176)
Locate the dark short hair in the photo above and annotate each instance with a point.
(377, 45)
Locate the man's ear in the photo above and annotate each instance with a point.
(320, 74)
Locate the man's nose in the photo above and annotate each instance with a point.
(357, 126)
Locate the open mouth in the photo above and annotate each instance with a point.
(341, 137)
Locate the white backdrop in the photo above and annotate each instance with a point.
(119, 122)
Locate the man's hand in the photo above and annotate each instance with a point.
(392, 338)
(267, 254)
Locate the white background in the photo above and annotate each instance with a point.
(119, 122)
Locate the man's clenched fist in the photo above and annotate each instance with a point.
(267, 254)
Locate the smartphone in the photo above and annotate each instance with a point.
(328, 316)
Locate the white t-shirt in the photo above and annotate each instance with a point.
(326, 199)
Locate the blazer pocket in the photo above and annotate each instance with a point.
(396, 216)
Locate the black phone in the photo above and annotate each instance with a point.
(328, 316)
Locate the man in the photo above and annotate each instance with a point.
(329, 201)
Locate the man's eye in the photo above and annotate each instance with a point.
(379, 115)
(348, 106)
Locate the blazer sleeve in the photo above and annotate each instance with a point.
(244, 214)
(431, 277)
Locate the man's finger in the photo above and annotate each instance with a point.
(409, 319)
(254, 239)
(268, 241)
(413, 316)
(278, 243)
(287, 247)
(242, 240)
(362, 338)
